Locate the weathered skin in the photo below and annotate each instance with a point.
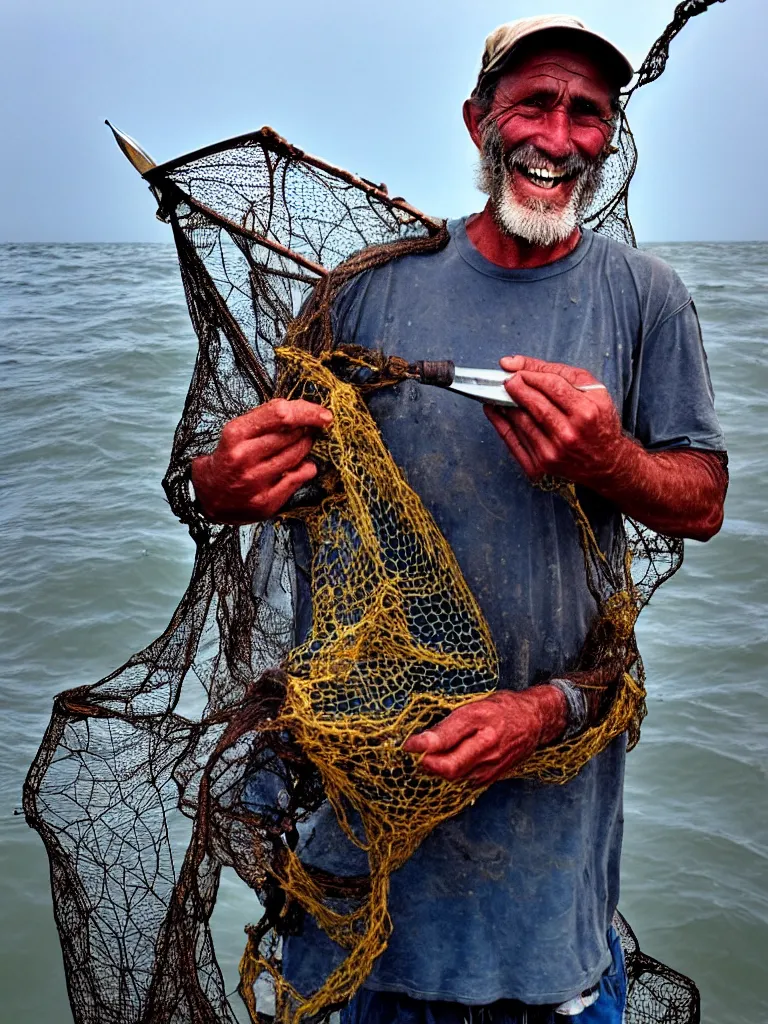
(578, 435)
(560, 102)
(260, 461)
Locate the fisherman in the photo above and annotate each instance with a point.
(504, 912)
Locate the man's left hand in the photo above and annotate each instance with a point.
(484, 740)
(558, 429)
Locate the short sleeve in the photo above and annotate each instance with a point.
(671, 403)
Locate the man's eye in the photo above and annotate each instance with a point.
(585, 108)
(538, 102)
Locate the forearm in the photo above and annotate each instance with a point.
(678, 492)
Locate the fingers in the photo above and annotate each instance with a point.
(272, 500)
(483, 758)
(458, 726)
(547, 398)
(573, 374)
(285, 459)
(537, 443)
(465, 758)
(265, 445)
(488, 774)
(277, 416)
(260, 450)
(504, 429)
(520, 435)
(459, 744)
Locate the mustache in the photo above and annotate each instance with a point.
(527, 156)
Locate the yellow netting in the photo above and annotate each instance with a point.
(398, 642)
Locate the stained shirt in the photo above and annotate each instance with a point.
(513, 897)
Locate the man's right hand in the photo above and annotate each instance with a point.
(260, 461)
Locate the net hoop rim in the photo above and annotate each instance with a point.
(272, 141)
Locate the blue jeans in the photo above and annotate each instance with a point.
(392, 1008)
(612, 1002)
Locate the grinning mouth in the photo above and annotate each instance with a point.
(543, 176)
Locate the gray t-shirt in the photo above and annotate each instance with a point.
(513, 897)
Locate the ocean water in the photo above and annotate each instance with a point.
(95, 354)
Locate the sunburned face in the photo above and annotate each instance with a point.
(543, 143)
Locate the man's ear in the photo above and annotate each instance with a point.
(473, 118)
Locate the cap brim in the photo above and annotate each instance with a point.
(617, 65)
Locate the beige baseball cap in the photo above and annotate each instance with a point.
(501, 43)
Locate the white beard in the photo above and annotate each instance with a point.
(536, 220)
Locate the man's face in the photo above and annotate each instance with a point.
(543, 142)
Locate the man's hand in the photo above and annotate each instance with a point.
(574, 434)
(483, 741)
(558, 429)
(260, 461)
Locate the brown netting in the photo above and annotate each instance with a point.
(156, 757)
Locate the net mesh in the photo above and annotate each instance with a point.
(138, 787)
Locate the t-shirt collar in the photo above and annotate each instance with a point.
(458, 232)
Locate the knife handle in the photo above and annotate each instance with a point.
(439, 373)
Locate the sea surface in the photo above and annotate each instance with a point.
(96, 350)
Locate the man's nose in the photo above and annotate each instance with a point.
(554, 133)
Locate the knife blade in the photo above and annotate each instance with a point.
(487, 386)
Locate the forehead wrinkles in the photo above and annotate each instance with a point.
(560, 88)
(558, 71)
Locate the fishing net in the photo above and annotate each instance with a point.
(219, 739)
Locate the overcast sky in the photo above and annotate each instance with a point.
(376, 87)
